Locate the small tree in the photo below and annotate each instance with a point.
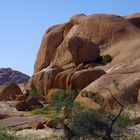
(100, 124)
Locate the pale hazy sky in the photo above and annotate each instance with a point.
(23, 23)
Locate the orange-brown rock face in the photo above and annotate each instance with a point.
(75, 50)
(69, 56)
(50, 42)
(134, 19)
(83, 78)
(9, 91)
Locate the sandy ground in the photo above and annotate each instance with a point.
(10, 117)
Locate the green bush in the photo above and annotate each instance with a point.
(106, 59)
(95, 124)
(6, 134)
(34, 92)
(88, 122)
(65, 98)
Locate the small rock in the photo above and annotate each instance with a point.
(33, 103)
(52, 123)
(66, 111)
(37, 125)
(21, 106)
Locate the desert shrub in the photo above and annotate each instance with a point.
(95, 124)
(65, 98)
(106, 59)
(34, 92)
(6, 134)
(88, 122)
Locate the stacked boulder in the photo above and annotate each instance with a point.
(69, 55)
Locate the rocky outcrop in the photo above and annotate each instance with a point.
(9, 91)
(70, 54)
(134, 19)
(12, 76)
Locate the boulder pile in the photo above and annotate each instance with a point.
(70, 58)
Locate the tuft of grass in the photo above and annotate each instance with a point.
(46, 111)
(6, 134)
(34, 92)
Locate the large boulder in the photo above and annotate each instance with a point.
(50, 42)
(124, 87)
(75, 50)
(43, 80)
(62, 79)
(83, 78)
(9, 91)
(104, 30)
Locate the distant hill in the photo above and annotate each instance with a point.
(13, 76)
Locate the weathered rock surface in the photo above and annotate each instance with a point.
(52, 123)
(75, 50)
(52, 93)
(18, 122)
(10, 117)
(9, 91)
(83, 78)
(8, 75)
(37, 125)
(21, 97)
(134, 19)
(43, 80)
(28, 103)
(50, 42)
(21, 106)
(71, 60)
